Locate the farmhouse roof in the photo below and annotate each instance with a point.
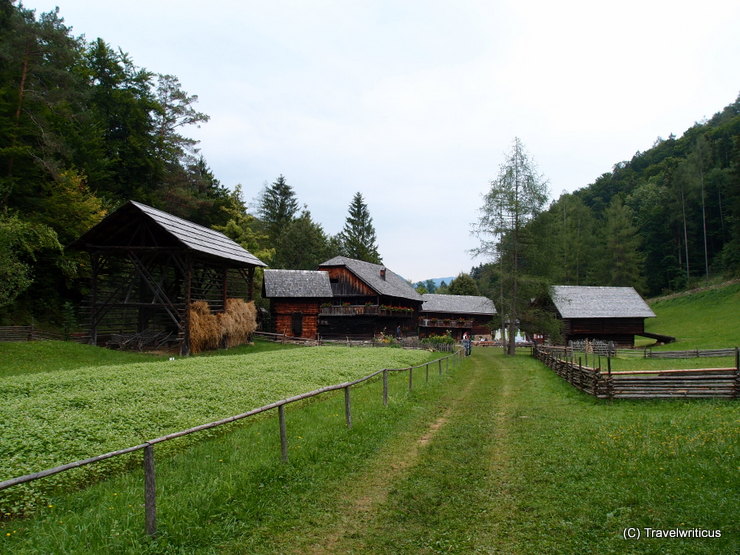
(297, 284)
(379, 278)
(119, 229)
(573, 301)
(458, 304)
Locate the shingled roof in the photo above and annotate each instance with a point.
(458, 304)
(116, 230)
(296, 284)
(575, 301)
(393, 285)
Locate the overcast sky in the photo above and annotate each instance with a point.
(416, 103)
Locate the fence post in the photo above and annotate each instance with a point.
(385, 388)
(447, 363)
(426, 373)
(737, 373)
(347, 407)
(411, 378)
(283, 434)
(609, 379)
(150, 494)
(440, 366)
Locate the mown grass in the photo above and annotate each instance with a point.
(704, 319)
(53, 418)
(232, 493)
(30, 357)
(530, 465)
(524, 464)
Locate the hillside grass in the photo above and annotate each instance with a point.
(30, 357)
(520, 462)
(52, 418)
(702, 319)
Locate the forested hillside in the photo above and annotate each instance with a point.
(83, 129)
(665, 219)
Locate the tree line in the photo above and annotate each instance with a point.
(666, 220)
(83, 129)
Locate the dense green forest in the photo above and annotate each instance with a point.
(663, 221)
(84, 129)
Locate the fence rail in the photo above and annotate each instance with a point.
(148, 446)
(718, 383)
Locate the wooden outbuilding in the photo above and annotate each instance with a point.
(149, 266)
(610, 314)
(296, 297)
(456, 314)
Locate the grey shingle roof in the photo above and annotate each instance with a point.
(458, 304)
(297, 284)
(393, 285)
(200, 238)
(575, 301)
(183, 232)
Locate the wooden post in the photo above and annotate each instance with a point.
(150, 494)
(447, 364)
(95, 263)
(347, 407)
(427, 373)
(385, 388)
(283, 434)
(440, 366)
(736, 393)
(411, 378)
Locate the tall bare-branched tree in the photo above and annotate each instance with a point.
(516, 196)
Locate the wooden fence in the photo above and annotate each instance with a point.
(593, 353)
(718, 383)
(148, 446)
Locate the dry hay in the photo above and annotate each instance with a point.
(233, 327)
(205, 328)
(238, 322)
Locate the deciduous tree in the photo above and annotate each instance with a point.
(515, 197)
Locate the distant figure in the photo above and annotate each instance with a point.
(398, 333)
(467, 344)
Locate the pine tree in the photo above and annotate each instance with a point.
(358, 236)
(278, 206)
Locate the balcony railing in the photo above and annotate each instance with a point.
(366, 310)
(441, 323)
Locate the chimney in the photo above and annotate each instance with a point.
(382, 274)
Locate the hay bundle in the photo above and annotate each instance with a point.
(205, 328)
(238, 322)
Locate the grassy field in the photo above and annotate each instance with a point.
(52, 418)
(499, 456)
(704, 319)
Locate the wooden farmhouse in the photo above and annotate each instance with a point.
(614, 314)
(363, 300)
(296, 297)
(149, 267)
(457, 314)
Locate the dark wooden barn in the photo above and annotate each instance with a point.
(296, 297)
(367, 299)
(614, 314)
(148, 266)
(457, 314)
(349, 297)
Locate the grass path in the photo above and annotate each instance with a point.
(511, 459)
